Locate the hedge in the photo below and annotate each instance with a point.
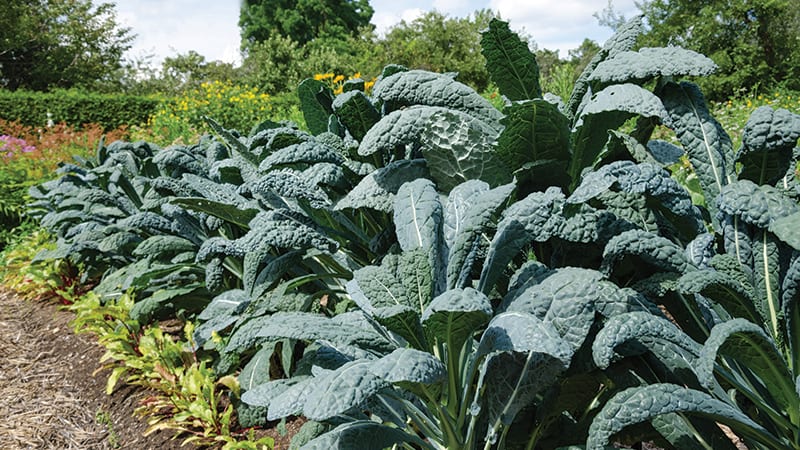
(76, 108)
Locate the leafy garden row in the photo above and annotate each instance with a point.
(421, 270)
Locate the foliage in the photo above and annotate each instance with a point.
(46, 44)
(302, 20)
(76, 108)
(419, 269)
(754, 43)
(55, 280)
(187, 398)
(439, 43)
(237, 106)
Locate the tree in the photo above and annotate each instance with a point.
(440, 43)
(301, 20)
(48, 44)
(756, 43)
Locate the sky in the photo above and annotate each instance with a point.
(170, 27)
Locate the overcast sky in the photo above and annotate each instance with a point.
(170, 27)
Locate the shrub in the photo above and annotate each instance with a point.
(75, 108)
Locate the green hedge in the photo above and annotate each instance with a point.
(76, 108)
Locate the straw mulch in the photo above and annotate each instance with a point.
(49, 398)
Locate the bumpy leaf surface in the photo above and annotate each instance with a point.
(364, 434)
(648, 63)
(419, 87)
(456, 315)
(707, 145)
(656, 334)
(638, 404)
(649, 247)
(377, 190)
(511, 64)
(748, 343)
(475, 223)
(460, 148)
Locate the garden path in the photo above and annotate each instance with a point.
(49, 395)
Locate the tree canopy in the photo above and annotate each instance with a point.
(48, 44)
(754, 42)
(301, 20)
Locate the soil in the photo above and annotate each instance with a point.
(50, 397)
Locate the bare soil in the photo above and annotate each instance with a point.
(49, 397)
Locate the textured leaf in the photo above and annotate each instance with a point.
(455, 209)
(787, 229)
(648, 63)
(534, 131)
(648, 247)
(361, 435)
(263, 394)
(227, 212)
(757, 205)
(306, 152)
(512, 66)
(456, 316)
(419, 87)
(707, 145)
(290, 183)
(524, 356)
(316, 100)
(719, 287)
(284, 229)
(607, 110)
(565, 299)
(344, 388)
(747, 343)
(289, 402)
(634, 332)
(535, 218)
(418, 220)
(622, 40)
(768, 139)
(460, 148)
(356, 113)
(377, 190)
(347, 329)
(638, 404)
(475, 223)
(396, 292)
(405, 365)
(400, 129)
